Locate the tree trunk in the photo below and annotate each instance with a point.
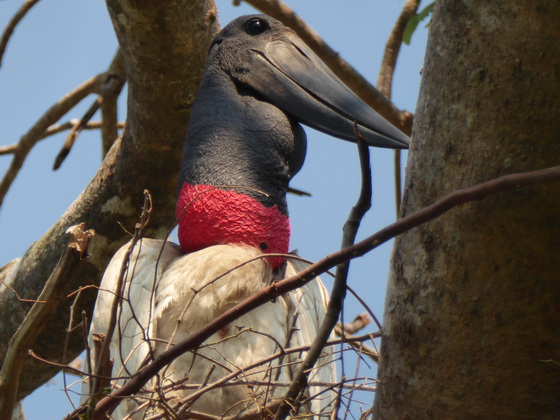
(472, 316)
(164, 47)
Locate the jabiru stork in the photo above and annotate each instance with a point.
(243, 146)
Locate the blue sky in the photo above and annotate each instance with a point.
(61, 43)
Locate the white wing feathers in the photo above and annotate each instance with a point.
(191, 290)
(134, 324)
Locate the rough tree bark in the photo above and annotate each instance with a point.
(164, 46)
(472, 313)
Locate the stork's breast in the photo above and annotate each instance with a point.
(202, 285)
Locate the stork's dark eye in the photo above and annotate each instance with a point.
(256, 26)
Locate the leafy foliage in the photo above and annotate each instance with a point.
(415, 20)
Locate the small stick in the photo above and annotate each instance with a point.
(36, 320)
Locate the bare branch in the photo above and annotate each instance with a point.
(334, 308)
(74, 133)
(58, 128)
(365, 306)
(107, 100)
(228, 380)
(349, 75)
(69, 330)
(110, 93)
(301, 193)
(459, 197)
(393, 46)
(347, 331)
(35, 321)
(385, 79)
(278, 355)
(65, 367)
(9, 30)
(359, 323)
(53, 114)
(363, 349)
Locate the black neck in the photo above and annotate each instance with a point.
(236, 141)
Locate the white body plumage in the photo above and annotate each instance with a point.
(185, 294)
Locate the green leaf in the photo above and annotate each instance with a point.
(415, 20)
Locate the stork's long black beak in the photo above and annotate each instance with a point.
(295, 79)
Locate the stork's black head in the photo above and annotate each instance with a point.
(265, 56)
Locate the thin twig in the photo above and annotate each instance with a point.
(285, 384)
(456, 198)
(251, 415)
(62, 366)
(69, 330)
(9, 30)
(363, 349)
(53, 114)
(36, 320)
(85, 332)
(366, 414)
(103, 357)
(338, 399)
(343, 384)
(18, 297)
(346, 332)
(385, 79)
(349, 75)
(223, 381)
(110, 94)
(393, 46)
(75, 132)
(365, 306)
(292, 350)
(297, 192)
(107, 98)
(359, 323)
(102, 377)
(55, 129)
(293, 395)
